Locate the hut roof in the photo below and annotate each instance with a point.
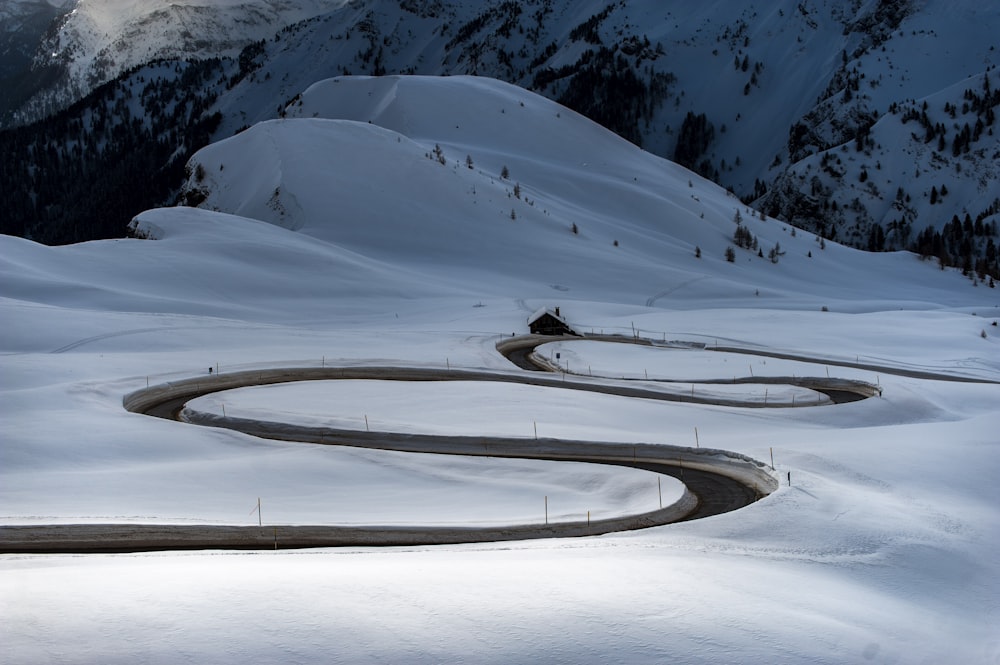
(542, 312)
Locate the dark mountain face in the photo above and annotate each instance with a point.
(25, 24)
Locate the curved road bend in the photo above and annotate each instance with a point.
(520, 351)
(716, 481)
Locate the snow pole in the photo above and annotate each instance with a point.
(772, 457)
(366, 423)
(535, 425)
(546, 509)
(257, 510)
(659, 490)
(697, 444)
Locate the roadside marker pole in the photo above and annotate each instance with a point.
(535, 424)
(697, 444)
(772, 458)
(546, 509)
(659, 489)
(366, 423)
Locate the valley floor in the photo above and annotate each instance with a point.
(881, 550)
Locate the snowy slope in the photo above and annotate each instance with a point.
(98, 40)
(354, 164)
(777, 88)
(339, 239)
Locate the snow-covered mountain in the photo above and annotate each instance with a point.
(98, 40)
(765, 101)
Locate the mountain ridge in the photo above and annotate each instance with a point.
(713, 91)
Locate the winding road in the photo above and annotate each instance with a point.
(716, 481)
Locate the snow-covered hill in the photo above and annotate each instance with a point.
(751, 97)
(743, 95)
(467, 172)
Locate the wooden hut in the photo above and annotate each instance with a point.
(549, 322)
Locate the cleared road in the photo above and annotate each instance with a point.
(717, 481)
